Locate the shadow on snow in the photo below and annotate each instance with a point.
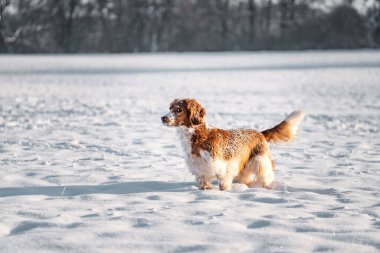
(75, 190)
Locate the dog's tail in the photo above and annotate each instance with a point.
(286, 130)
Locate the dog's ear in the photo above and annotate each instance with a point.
(196, 111)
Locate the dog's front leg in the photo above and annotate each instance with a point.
(204, 183)
(225, 182)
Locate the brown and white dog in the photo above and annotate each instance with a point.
(239, 155)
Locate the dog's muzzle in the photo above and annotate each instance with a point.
(167, 119)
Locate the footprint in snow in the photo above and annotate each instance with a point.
(26, 226)
(376, 224)
(271, 200)
(153, 197)
(248, 197)
(324, 214)
(259, 224)
(142, 223)
(324, 249)
(91, 215)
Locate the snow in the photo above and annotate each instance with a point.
(87, 166)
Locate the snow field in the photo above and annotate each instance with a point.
(86, 165)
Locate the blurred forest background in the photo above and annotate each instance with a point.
(71, 26)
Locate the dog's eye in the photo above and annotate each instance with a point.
(178, 110)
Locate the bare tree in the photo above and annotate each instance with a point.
(163, 25)
(252, 25)
(3, 6)
(223, 15)
(376, 23)
(63, 16)
(268, 15)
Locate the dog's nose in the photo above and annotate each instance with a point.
(164, 119)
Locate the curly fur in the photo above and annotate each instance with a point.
(240, 155)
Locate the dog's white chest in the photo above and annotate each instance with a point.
(204, 164)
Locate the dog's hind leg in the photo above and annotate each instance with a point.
(261, 171)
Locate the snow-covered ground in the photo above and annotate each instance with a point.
(86, 165)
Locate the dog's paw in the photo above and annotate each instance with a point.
(205, 186)
(224, 186)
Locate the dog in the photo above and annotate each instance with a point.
(238, 155)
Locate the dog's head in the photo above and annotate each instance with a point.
(184, 112)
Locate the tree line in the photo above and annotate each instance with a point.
(72, 26)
